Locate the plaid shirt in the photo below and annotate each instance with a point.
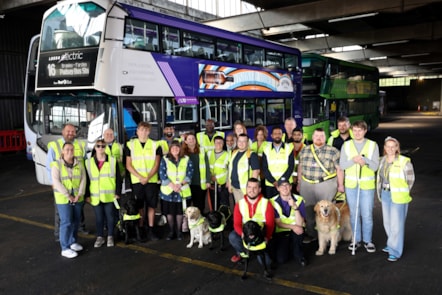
(329, 157)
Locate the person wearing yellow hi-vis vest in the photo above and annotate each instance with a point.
(289, 220)
(68, 134)
(341, 134)
(114, 149)
(104, 188)
(277, 162)
(206, 139)
(244, 164)
(200, 181)
(175, 173)
(143, 156)
(219, 169)
(69, 184)
(360, 160)
(252, 207)
(395, 178)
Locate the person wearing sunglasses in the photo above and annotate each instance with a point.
(104, 186)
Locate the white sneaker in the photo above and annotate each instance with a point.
(99, 242)
(76, 247)
(110, 241)
(68, 253)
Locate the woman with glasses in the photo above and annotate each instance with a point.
(69, 184)
(105, 187)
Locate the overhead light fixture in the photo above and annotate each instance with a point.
(341, 19)
(430, 63)
(377, 58)
(415, 54)
(390, 43)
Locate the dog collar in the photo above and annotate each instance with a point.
(199, 222)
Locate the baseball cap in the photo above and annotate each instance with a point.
(283, 180)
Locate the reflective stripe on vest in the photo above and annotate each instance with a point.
(70, 183)
(260, 211)
(102, 181)
(400, 193)
(116, 151)
(367, 178)
(127, 217)
(243, 168)
(278, 162)
(219, 167)
(143, 158)
(57, 146)
(291, 219)
(176, 175)
(206, 143)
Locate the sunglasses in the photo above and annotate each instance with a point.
(100, 146)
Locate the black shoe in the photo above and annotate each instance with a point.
(179, 236)
(170, 236)
(83, 230)
(302, 261)
(152, 236)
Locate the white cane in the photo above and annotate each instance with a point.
(357, 212)
(216, 196)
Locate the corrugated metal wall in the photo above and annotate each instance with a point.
(15, 35)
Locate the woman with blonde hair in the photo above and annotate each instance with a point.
(395, 178)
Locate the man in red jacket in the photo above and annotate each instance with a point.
(252, 207)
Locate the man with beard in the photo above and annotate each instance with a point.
(319, 177)
(168, 137)
(298, 145)
(277, 162)
(342, 134)
(252, 207)
(206, 138)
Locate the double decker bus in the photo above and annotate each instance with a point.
(332, 88)
(107, 64)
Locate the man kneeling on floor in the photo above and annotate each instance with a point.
(252, 207)
(289, 219)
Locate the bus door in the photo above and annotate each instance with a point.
(142, 110)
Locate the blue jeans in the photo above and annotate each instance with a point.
(365, 212)
(104, 212)
(394, 216)
(70, 216)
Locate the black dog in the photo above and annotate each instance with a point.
(131, 218)
(219, 221)
(253, 240)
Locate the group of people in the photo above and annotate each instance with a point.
(275, 183)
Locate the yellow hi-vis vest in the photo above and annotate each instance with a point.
(244, 169)
(295, 170)
(219, 167)
(278, 162)
(259, 151)
(400, 193)
(367, 178)
(206, 143)
(117, 152)
(102, 182)
(176, 174)
(79, 149)
(335, 134)
(143, 159)
(284, 219)
(260, 212)
(72, 184)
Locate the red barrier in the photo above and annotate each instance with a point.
(12, 140)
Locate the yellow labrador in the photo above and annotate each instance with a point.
(332, 224)
(199, 228)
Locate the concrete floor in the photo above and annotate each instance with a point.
(30, 261)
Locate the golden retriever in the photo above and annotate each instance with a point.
(332, 224)
(199, 228)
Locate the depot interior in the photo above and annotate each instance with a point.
(401, 38)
